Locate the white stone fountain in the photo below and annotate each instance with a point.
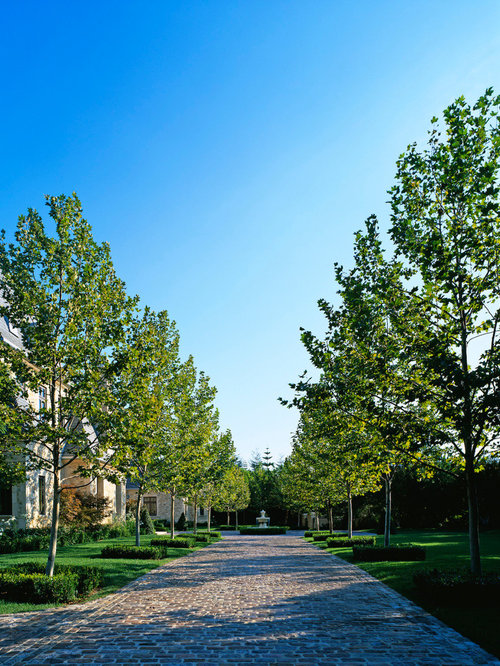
(262, 520)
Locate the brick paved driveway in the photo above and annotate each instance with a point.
(244, 600)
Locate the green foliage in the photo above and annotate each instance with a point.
(267, 531)
(233, 492)
(459, 588)
(147, 526)
(339, 542)
(397, 553)
(83, 509)
(181, 523)
(176, 542)
(38, 588)
(132, 552)
(89, 577)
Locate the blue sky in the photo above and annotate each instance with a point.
(228, 151)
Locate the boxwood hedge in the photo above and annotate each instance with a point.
(133, 552)
(339, 542)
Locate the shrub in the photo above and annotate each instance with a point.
(83, 509)
(263, 530)
(201, 538)
(406, 552)
(310, 533)
(19, 542)
(161, 524)
(38, 588)
(176, 542)
(181, 523)
(339, 542)
(147, 526)
(132, 552)
(459, 587)
(89, 577)
(322, 536)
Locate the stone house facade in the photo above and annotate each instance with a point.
(158, 504)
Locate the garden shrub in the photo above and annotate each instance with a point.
(405, 552)
(339, 542)
(264, 530)
(310, 533)
(181, 523)
(147, 526)
(83, 509)
(322, 536)
(176, 542)
(132, 552)
(89, 577)
(460, 588)
(38, 588)
(201, 538)
(22, 541)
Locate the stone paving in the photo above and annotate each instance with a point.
(244, 600)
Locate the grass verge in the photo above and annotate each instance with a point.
(117, 573)
(445, 550)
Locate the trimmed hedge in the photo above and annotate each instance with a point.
(38, 588)
(323, 536)
(336, 542)
(308, 534)
(264, 530)
(405, 552)
(176, 542)
(89, 578)
(459, 588)
(132, 552)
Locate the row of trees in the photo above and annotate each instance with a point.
(93, 379)
(410, 365)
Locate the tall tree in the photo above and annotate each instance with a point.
(63, 295)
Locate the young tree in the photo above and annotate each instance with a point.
(233, 492)
(144, 393)
(63, 295)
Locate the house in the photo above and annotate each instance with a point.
(159, 504)
(28, 504)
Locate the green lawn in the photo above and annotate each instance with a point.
(444, 550)
(117, 573)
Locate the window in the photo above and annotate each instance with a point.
(42, 502)
(150, 505)
(42, 398)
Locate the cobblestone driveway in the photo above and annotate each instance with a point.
(244, 600)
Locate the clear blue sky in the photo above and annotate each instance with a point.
(228, 150)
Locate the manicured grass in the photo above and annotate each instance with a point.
(445, 550)
(117, 573)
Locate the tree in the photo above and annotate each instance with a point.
(445, 227)
(144, 392)
(233, 492)
(63, 295)
(222, 456)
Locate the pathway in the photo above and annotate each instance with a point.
(244, 600)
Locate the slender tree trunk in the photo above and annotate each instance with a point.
(236, 517)
(172, 514)
(388, 509)
(138, 517)
(473, 507)
(227, 517)
(54, 527)
(195, 517)
(317, 521)
(330, 518)
(349, 511)
(298, 518)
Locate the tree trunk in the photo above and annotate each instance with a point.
(349, 512)
(388, 509)
(330, 518)
(195, 517)
(298, 518)
(138, 517)
(236, 517)
(317, 521)
(54, 527)
(227, 517)
(172, 514)
(473, 507)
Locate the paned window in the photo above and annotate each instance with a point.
(42, 500)
(42, 398)
(150, 505)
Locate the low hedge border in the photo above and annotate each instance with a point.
(176, 542)
(38, 588)
(89, 578)
(405, 552)
(458, 588)
(336, 542)
(323, 536)
(264, 530)
(133, 552)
